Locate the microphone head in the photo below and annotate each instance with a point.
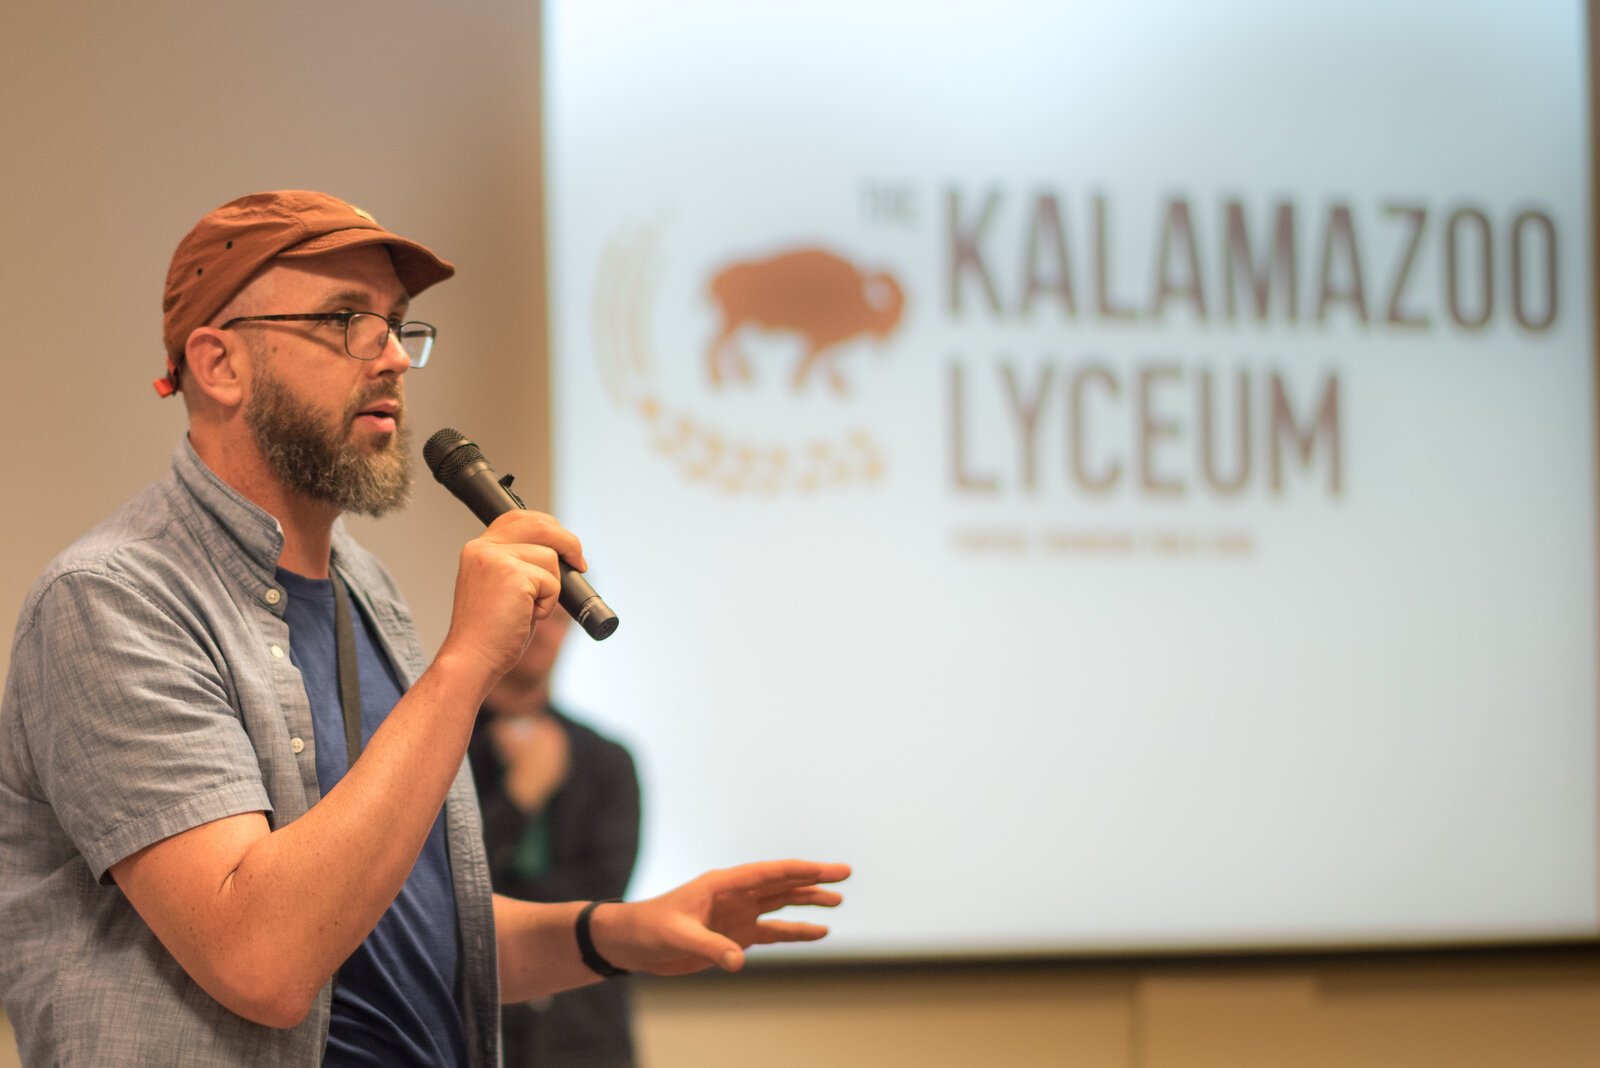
(447, 452)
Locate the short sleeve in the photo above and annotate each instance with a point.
(129, 729)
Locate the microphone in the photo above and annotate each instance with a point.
(459, 466)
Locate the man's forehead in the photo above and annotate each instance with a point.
(366, 272)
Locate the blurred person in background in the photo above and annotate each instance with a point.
(560, 809)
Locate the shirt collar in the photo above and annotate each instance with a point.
(245, 538)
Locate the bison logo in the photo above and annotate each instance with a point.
(822, 297)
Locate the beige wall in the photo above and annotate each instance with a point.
(121, 123)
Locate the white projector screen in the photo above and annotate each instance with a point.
(1120, 475)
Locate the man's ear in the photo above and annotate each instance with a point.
(217, 366)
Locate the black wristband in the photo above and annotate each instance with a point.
(591, 957)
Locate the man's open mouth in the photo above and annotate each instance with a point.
(381, 416)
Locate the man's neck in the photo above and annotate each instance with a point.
(307, 539)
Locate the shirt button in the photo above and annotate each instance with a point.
(277, 651)
(297, 744)
(272, 597)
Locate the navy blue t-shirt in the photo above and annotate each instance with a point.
(395, 999)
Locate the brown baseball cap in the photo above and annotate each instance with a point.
(228, 246)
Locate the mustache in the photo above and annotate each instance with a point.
(382, 391)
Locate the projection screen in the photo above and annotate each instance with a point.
(1120, 475)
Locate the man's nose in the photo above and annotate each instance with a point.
(394, 359)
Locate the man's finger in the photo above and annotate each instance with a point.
(770, 931)
(770, 876)
(709, 946)
(537, 528)
(805, 895)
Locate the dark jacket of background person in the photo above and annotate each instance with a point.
(582, 846)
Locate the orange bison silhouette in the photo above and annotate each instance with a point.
(822, 297)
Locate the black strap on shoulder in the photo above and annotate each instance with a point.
(349, 670)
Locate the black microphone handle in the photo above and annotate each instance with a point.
(479, 489)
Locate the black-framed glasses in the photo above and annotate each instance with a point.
(366, 334)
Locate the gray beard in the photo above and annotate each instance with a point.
(320, 463)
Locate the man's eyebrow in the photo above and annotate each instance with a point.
(361, 300)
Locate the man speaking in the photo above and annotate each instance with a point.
(236, 827)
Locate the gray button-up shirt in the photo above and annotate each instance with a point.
(151, 691)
